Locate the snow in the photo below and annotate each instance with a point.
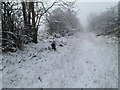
(84, 61)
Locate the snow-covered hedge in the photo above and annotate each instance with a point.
(64, 22)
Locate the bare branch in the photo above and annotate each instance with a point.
(45, 11)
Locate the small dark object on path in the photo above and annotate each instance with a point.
(39, 79)
(61, 45)
(53, 45)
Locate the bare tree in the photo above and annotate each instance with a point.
(20, 22)
(36, 16)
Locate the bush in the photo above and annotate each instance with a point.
(64, 22)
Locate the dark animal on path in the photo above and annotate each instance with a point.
(53, 45)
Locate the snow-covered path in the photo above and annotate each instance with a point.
(85, 61)
(99, 62)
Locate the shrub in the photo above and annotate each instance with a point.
(64, 22)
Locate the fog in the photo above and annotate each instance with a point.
(85, 8)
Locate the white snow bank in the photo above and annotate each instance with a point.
(83, 61)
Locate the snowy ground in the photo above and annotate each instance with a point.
(85, 61)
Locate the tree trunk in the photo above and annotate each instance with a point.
(35, 35)
(29, 13)
(33, 14)
(24, 13)
(119, 19)
(33, 23)
(119, 13)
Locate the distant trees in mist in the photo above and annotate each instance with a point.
(104, 22)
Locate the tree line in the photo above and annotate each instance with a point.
(107, 22)
(21, 21)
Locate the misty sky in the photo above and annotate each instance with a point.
(92, 7)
